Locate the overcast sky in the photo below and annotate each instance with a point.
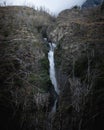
(55, 6)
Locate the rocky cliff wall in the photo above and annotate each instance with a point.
(79, 35)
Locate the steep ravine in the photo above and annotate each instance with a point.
(43, 87)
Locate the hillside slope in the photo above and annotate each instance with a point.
(79, 35)
(24, 77)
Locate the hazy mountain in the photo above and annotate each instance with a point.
(92, 3)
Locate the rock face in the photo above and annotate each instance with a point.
(23, 67)
(79, 35)
(25, 98)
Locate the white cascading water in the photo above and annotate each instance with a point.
(52, 67)
(53, 76)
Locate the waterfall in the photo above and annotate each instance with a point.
(53, 76)
(52, 67)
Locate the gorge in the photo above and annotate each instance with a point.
(51, 69)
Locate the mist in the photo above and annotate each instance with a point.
(54, 6)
